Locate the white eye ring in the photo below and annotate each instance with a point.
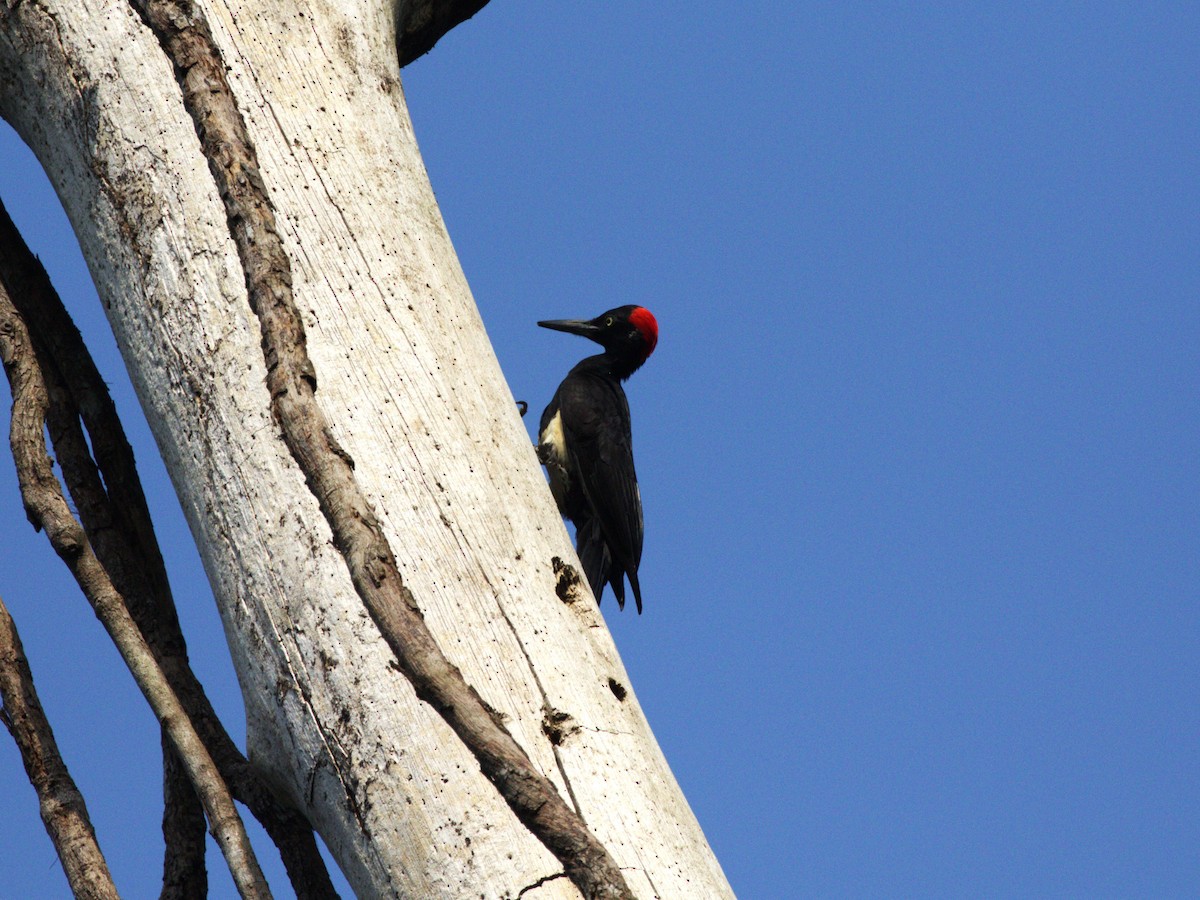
(608, 322)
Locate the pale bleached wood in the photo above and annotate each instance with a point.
(408, 378)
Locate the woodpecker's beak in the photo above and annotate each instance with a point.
(581, 327)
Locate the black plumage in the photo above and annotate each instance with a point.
(586, 444)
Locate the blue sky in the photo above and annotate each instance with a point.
(918, 447)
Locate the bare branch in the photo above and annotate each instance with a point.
(47, 508)
(184, 873)
(425, 22)
(328, 470)
(63, 811)
(112, 508)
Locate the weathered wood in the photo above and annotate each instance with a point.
(291, 380)
(63, 810)
(413, 394)
(46, 506)
(107, 495)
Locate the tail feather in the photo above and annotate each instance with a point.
(598, 565)
(637, 588)
(617, 581)
(593, 554)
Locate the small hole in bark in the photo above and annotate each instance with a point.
(617, 688)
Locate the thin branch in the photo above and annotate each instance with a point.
(328, 470)
(61, 804)
(47, 508)
(184, 874)
(112, 508)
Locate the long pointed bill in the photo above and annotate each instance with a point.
(581, 327)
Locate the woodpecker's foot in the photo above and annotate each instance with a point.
(522, 408)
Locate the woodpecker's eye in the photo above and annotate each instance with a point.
(608, 322)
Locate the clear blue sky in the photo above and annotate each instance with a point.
(919, 447)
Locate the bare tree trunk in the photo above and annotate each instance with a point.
(412, 393)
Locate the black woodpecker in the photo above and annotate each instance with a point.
(586, 444)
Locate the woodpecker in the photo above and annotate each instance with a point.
(586, 444)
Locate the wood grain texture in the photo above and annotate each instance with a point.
(413, 393)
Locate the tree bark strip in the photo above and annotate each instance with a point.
(291, 379)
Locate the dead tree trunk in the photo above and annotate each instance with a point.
(402, 375)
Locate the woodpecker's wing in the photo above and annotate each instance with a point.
(595, 419)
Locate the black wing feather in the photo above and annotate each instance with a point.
(595, 417)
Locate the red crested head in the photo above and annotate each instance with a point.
(643, 320)
(628, 334)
